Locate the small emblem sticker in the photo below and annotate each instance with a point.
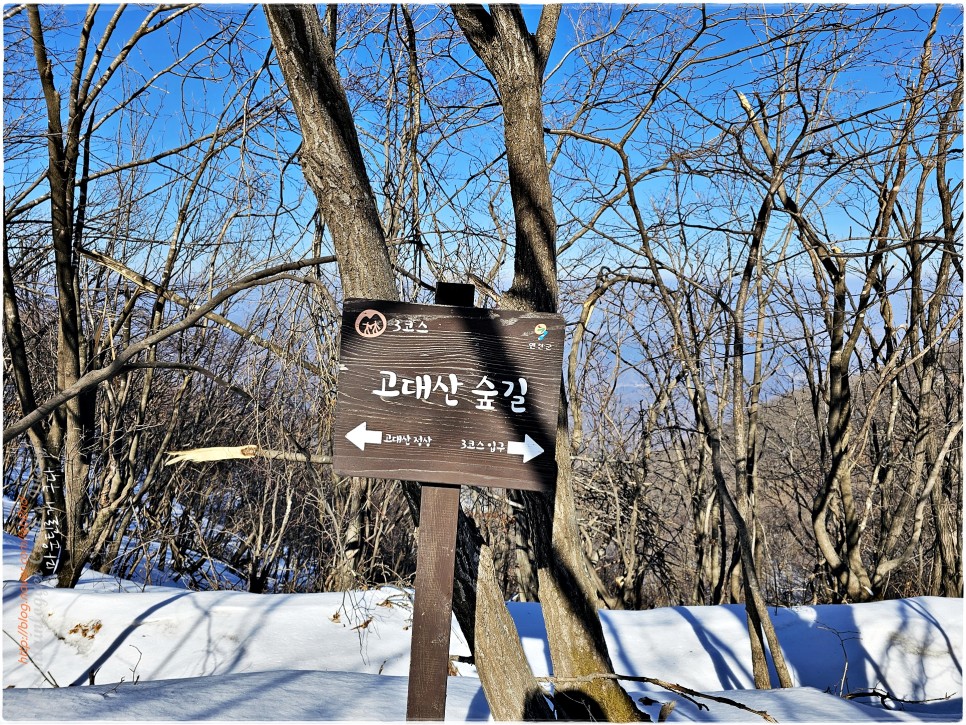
(541, 331)
(371, 323)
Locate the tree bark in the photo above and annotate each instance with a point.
(69, 432)
(331, 157)
(334, 168)
(517, 59)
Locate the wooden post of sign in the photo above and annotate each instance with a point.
(436, 557)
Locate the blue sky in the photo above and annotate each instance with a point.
(172, 101)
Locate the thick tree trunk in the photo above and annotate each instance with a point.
(569, 602)
(516, 59)
(331, 157)
(334, 168)
(846, 562)
(67, 436)
(511, 690)
(947, 558)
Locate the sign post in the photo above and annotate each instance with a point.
(445, 394)
(433, 600)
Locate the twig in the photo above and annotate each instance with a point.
(47, 676)
(884, 695)
(673, 687)
(134, 670)
(844, 682)
(699, 705)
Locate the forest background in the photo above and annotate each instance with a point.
(758, 245)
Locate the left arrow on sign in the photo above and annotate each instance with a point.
(359, 436)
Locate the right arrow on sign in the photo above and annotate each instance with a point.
(529, 449)
(359, 436)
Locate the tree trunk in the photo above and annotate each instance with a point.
(334, 168)
(347, 570)
(516, 59)
(527, 581)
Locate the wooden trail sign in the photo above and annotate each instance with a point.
(445, 394)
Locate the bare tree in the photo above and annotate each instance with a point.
(845, 313)
(90, 439)
(335, 169)
(517, 60)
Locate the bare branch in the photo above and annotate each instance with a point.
(546, 33)
(96, 377)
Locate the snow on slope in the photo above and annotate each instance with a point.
(345, 696)
(910, 647)
(233, 655)
(280, 695)
(161, 635)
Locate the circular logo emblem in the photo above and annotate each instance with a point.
(541, 331)
(371, 323)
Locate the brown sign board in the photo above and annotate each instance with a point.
(443, 394)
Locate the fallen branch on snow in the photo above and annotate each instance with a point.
(883, 696)
(686, 692)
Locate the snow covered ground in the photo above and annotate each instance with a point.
(181, 655)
